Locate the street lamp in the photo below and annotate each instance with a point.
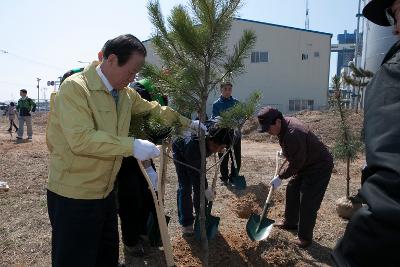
(38, 81)
(3, 51)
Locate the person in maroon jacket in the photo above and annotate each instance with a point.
(310, 166)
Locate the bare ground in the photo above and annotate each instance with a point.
(25, 228)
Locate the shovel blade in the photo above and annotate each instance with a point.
(257, 231)
(153, 230)
(239, 182)
(212, 223)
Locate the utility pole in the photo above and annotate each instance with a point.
(357, 34)
(38, 81)
(356, 52)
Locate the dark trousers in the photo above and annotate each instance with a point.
(135, 201)
(304, 195)
(84, 232)
(12, 123)
(187, 184)
(224, 164)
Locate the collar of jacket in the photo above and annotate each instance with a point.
(223, 99)
(90, 74)
(392, 51)
(284, 128)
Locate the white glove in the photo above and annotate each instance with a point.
(153, 177)
(276, 182)
(210, 194)
(195, 125)
(187, 133)
(144, 150)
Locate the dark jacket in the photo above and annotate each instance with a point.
(187, 150)
(303, 150)
(222, 104)
(25, 106)
(372, 237)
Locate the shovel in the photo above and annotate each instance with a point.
(238, 180)
(212, 222)
(161, 218)
(258, 227)
(153, 229)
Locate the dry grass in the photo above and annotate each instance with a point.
(25, 228)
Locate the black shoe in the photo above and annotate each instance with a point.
(16, 129)
(225, 179)
(285, 226)
(134, 251)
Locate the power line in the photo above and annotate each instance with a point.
(17, 83)
(31, 60)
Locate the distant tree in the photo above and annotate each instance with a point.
(347, 145)
(195, 58)
(359, 79)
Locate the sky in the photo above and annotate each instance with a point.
(45, 38)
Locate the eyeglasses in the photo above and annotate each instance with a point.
(390, 16)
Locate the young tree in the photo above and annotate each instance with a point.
(192, 49)
(237, 115)
(347, 145)
(359, 79)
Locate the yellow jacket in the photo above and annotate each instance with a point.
(87, 136)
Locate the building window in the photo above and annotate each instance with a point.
(304, 56)
(259, 57)
(316, 54)
(263, 56)
(301, 104)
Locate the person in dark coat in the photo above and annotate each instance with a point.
(372, 237)
(134, 196)
(187, 150)
(310, 166)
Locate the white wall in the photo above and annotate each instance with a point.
(286, 76)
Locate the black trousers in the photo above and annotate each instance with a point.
(304, 195)
(12, 123)
(224, 164)
(135, 201)
(84, 232)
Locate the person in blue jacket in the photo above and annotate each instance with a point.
(223, 103)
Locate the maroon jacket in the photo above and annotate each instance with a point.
(306, 154)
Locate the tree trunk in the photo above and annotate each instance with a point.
(348, 178)
(358, 97)
(202, 217)
(347, 140)
(362, 99)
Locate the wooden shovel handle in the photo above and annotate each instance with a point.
(166, 240)
(215, 178)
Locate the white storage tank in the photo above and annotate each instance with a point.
(377, 41)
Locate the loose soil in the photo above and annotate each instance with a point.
(25, 229)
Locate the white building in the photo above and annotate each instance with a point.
(289, 65)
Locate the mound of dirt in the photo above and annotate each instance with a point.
(345, 208)
(253, 200)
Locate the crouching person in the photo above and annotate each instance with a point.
(310, 166)
(187, 150)
(134, 196)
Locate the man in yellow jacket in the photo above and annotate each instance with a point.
(87, 137)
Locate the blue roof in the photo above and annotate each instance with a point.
(282, 26)
(274, 25)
